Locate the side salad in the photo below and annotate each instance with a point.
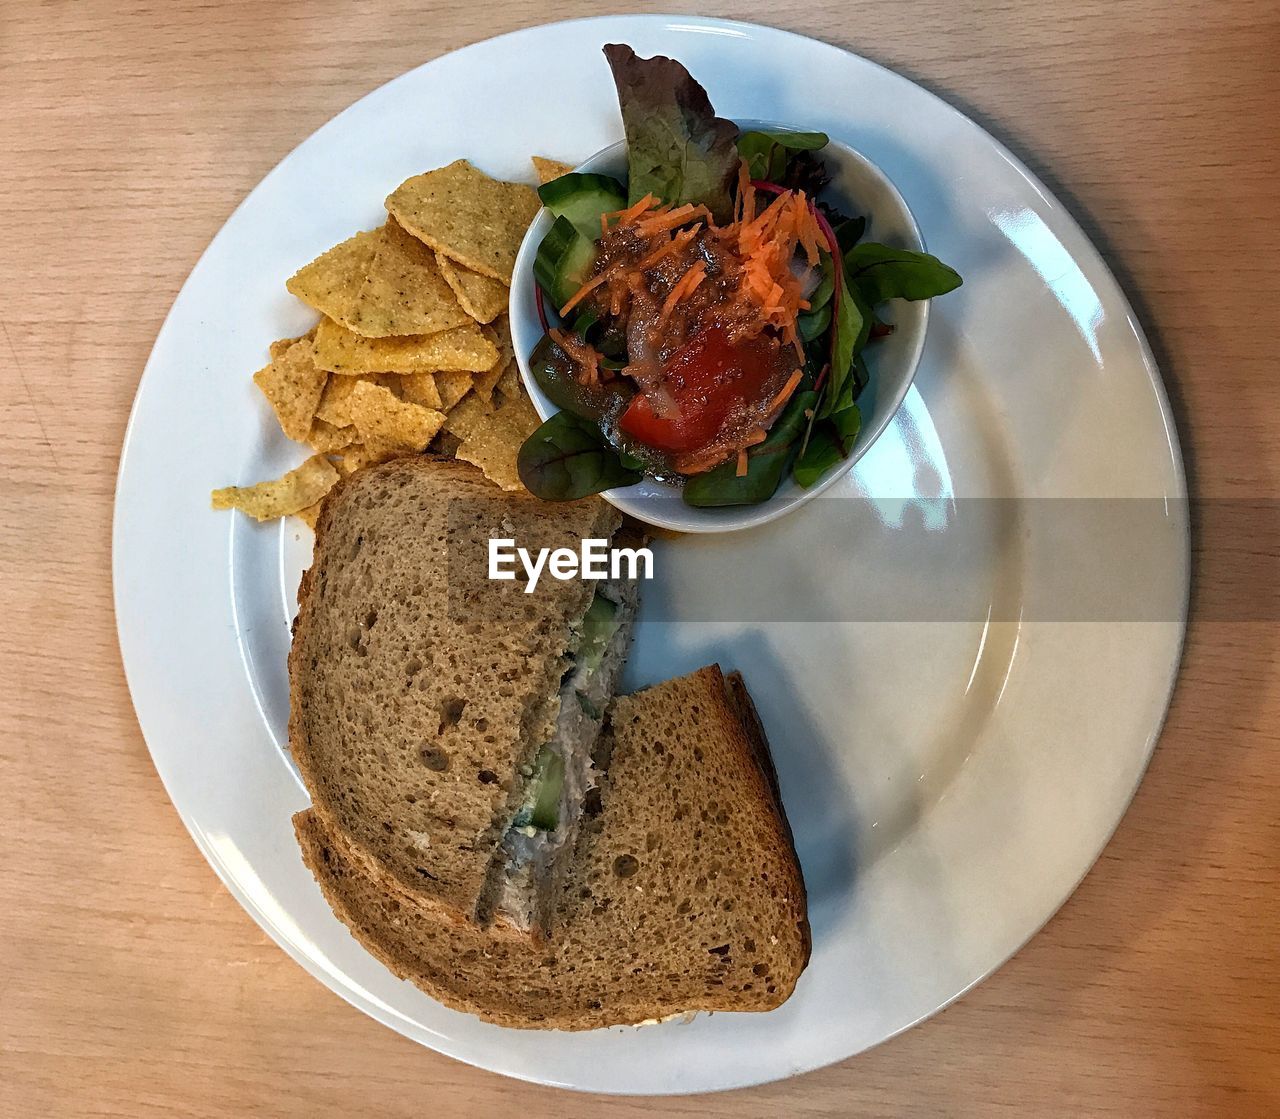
(705, 323)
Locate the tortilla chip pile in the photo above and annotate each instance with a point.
(412, 351)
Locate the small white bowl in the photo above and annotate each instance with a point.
(857, 187)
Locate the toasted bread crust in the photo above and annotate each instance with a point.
(745, 709)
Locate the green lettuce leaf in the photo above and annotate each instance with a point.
(881, 273)
(853, 324)
(820, 454)
(767, 153)
(677, 148)
(568, 458)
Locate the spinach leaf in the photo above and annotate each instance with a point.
(814, 324)
(766, 462)
(557, 376)
(766, 153)
(849, 232)
(567, 458)
(793, 141)
(846, 422)
(861, 374)
(853, 324)
(829, 442)
(881, 273)
(820, 455)
(820, 295)
(677, 148)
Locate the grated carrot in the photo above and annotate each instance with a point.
(632, 212)
(683, 286)
(759, 435)
(585, 357)
(670, 220)
(786, 392)
(678, 242)
(754, 259)
(581, 294)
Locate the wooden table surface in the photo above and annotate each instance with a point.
(134, 985)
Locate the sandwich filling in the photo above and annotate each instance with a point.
(544, 827)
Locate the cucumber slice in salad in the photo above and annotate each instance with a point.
(563, 262)
(582, 198)
(567, 251)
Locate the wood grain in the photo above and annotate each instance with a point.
(135, 986)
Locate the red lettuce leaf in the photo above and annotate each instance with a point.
(677, 148)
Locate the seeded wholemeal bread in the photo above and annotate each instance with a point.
(685, 893)
(418, 687)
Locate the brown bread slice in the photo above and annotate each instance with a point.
(419, 687)
(685, 893)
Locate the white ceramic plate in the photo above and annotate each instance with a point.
(958, 724)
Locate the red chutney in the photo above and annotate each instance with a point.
(708, 315)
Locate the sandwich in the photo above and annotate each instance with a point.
(443, 723)
(683, 892)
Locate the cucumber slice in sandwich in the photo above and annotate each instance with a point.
(598, 627)
(541, 807)
(544, 828)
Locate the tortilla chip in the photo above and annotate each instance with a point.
(485, 382)
(452, 385)
(548, 169)
(335, 403)
(293, 385)
(469, 217)
(358, 456)
(500, 335)
(331, 283)
(481, 297)
(419, 388)
(351, 459)
(509, 384)
(467, 417)
(289, 494)
(325, 439)
(280, 348)
(494, 444)
(386, 422)
(341, 351)
(310, 515)
(472, 413)
(403, 290)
